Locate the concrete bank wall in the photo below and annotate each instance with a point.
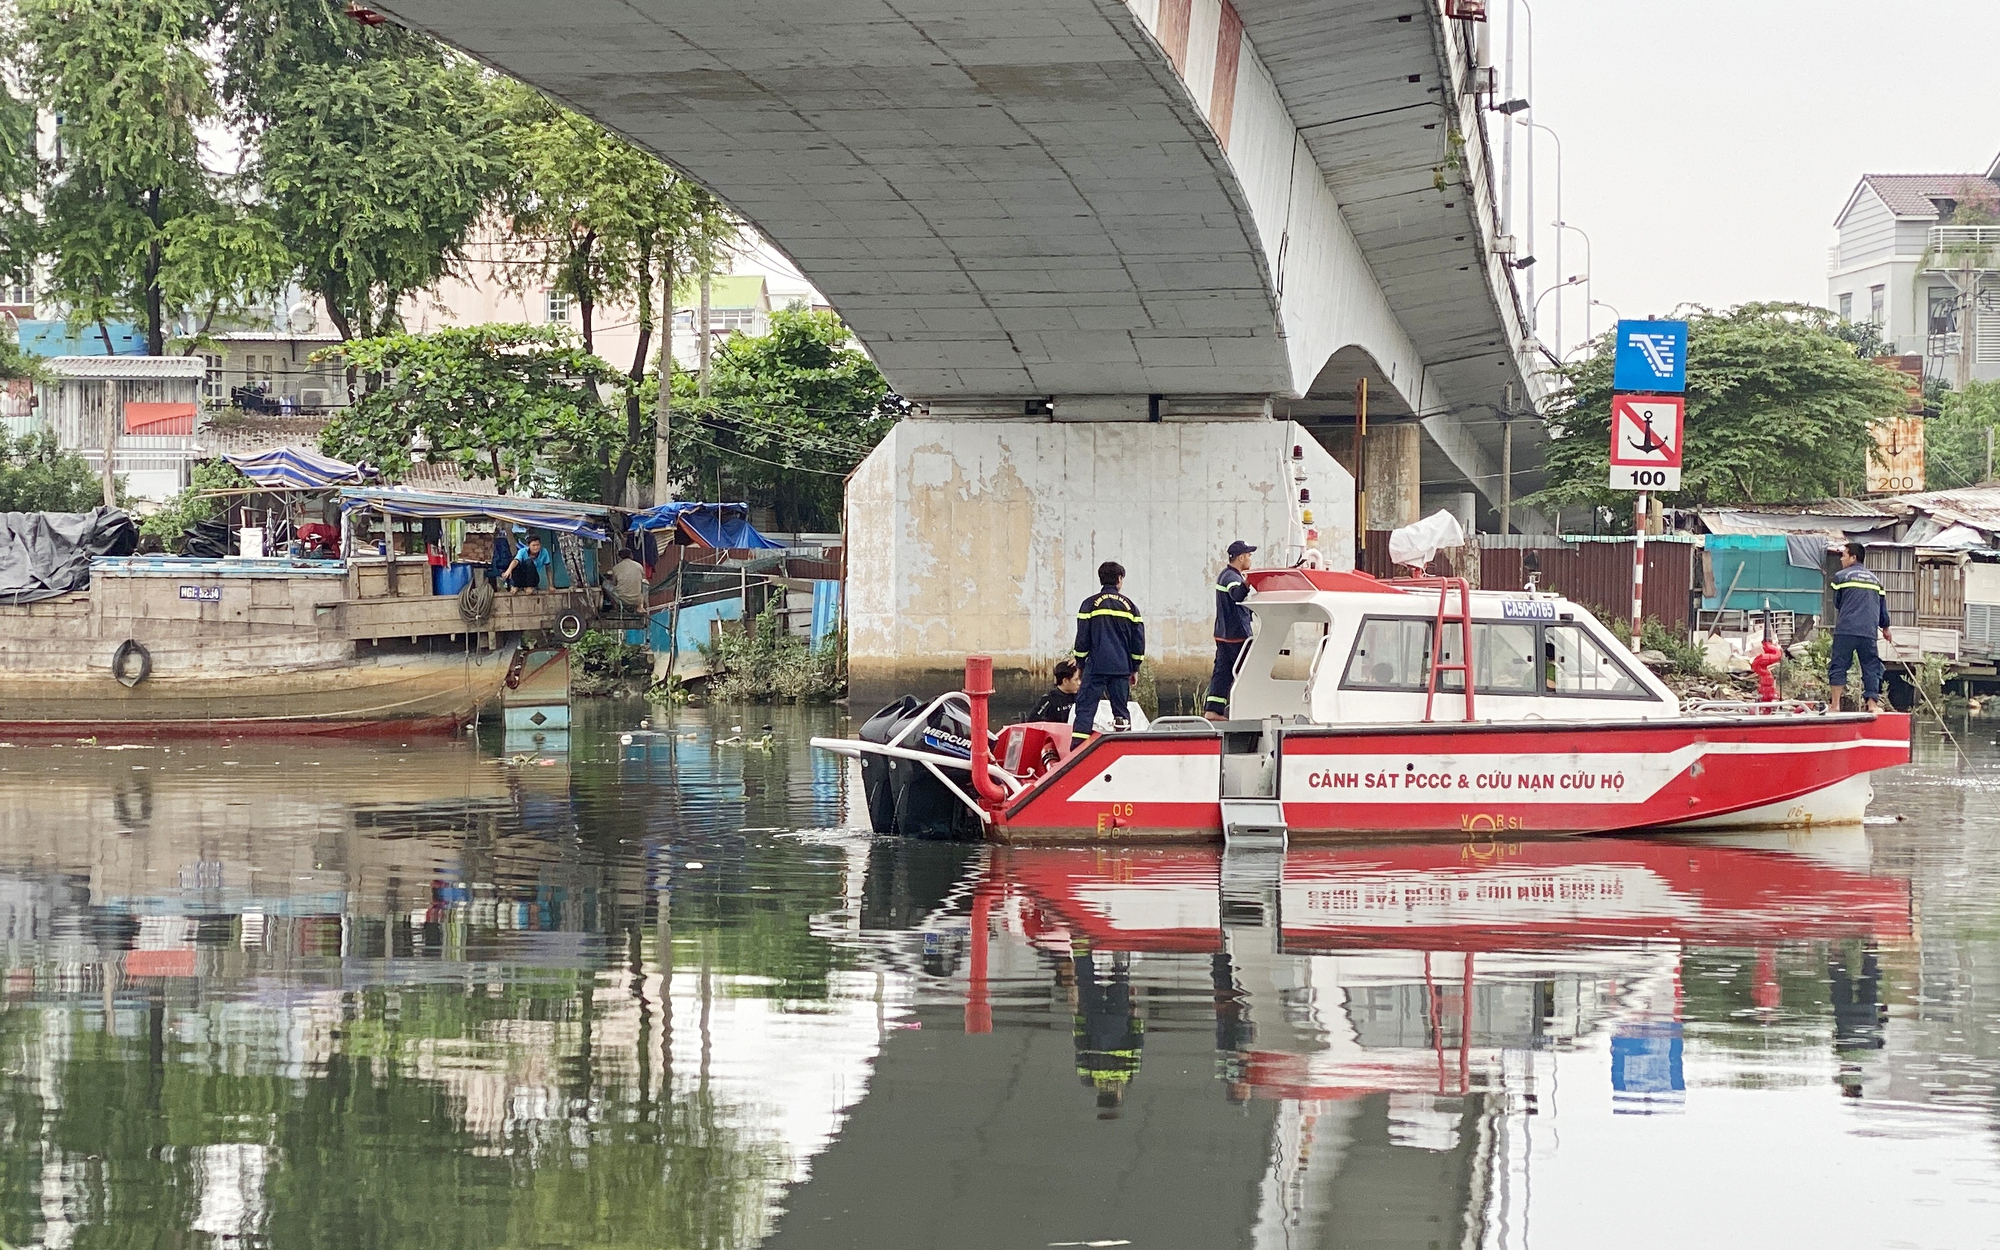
(982, 536)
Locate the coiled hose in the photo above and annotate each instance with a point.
(475, 603)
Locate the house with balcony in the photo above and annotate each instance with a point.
(1919, 256)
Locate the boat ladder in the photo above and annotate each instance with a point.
(1252, 812)
(1463, 619)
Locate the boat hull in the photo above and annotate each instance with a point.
(1478, 780)
(424, 692)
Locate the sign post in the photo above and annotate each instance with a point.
(1648, 416)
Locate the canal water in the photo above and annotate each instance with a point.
(661, 989)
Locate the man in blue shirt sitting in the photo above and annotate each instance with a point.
(1860, 608)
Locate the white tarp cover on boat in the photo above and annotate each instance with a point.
(1415, 543)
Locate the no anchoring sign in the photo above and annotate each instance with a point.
(1646, 442)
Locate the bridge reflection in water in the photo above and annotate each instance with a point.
(662, 992)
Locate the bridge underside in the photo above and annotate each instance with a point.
(1132, 212)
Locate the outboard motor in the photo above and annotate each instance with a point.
(905, 797)
(875, 768)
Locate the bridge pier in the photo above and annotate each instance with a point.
(980, 531)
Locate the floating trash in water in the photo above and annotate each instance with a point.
(693, 863)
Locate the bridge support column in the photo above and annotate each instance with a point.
(1395, 474)
(981, 535)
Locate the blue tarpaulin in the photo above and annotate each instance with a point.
(585, 520)
(300, 469)
(725, 526)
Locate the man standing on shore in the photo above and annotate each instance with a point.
(1110, 644)
(1232, 629)
(1860, 608)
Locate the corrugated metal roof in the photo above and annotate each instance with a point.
(275, 336)
(126, 366)
(1978, 506)
(1828, 522)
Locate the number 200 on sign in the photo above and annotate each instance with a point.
(1627, 478)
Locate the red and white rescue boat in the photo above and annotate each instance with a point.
(1351, 716)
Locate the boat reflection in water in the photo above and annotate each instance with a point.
(1383, 1021)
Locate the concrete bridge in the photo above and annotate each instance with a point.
(1126, 254)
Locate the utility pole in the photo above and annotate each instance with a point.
(1360, 472)
(663, 413)
(1507, 465)
(1989, 455)
(702, 329)
(111, 423)
(1507, 136)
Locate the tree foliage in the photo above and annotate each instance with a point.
(1955, 440)
(512, 403)
(376, 170)
(597, 219)
(172, 520)
(37, 475)
(789, 415)
(128, 207)
(1778, 408)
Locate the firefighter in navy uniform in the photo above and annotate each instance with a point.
(1110, 644)
(1232, 629)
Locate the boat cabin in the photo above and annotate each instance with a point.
(1343, 648)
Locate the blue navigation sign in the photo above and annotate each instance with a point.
(1652, 356)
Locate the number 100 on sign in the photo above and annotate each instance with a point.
(1624, 477)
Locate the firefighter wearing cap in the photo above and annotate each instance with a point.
(1232, 629)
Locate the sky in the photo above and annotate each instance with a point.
(1709, 144)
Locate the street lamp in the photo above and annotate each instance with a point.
(1533, 126)
(1588, 269)
(1569, 281)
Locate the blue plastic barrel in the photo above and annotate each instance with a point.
(449, 579)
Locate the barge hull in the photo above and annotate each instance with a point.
(378, 696)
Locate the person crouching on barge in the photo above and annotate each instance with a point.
(1111, 644)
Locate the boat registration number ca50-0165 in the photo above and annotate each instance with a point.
(1528, 609)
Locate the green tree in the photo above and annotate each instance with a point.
(788, 416)
(128, 207)
(37, 475)
(20, 174)
(1778, 408)
(376, 171)
(595, 218)
(1956, 440)
(517, 404)
(171, 522)
(376, 147)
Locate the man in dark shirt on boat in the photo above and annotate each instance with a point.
(1060, 700)
(1860, 608)
(1111, 644)
(1232, 629)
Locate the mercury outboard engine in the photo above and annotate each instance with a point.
(906, 797)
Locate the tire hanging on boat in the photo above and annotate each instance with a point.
(569, 627)
(126, 650)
